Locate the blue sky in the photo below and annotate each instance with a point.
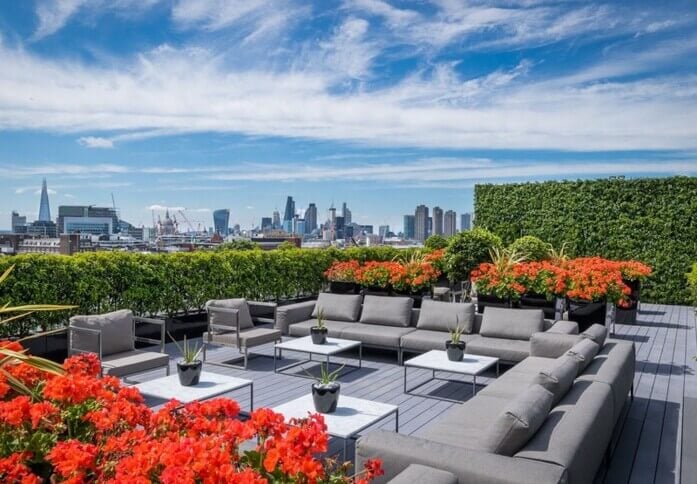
(205, 104)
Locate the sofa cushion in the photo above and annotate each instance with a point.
(445, 316)
(334, 328)
(422, 340)
(597, 333)
(507, 323)
(518, 422)
(387, 311)
(375, 335)
(116, 330)
(559, 379)
(338, 307)
(227, 319)
(584, 351)
(552, 345)
(133, 361)
(512, 350)
(420, 473)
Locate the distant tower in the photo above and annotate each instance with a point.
(437, 221)
(44, 208)
(311, 218)
(346, 213)
(421, 223)
(221, 221)
(289, 215)
(450, 223)
(276, 220)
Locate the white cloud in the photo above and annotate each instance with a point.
(96, 142)
(69, 195)
(62, 169)
(174, 209)
(348, 52)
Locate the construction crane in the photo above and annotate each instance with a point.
(191, 227)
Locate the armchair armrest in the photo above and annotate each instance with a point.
(224, 327)
(293, 313)
(261, 310)
(564, 327)
(75, 336)
(160, 322)
(552, 345)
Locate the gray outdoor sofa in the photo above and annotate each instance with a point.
(392, 323)
(549, 419)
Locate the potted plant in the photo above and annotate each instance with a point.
(497, 282)
(319, 333)
(415, 278)
(343, 277)
(455, 347)
(325, 391)
(466, 250)
(634, 273)
(375, 277)
(189, 367)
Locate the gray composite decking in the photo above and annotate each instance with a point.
(656, 442)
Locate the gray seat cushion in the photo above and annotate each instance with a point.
(373, 334)
(387, 311)
(133, 361)
(116, 329)
(417, 473)
(584, 351)
(248, 338)
(445, 316)
(423, 340)
(518, 422)
(334, 328)
(552, 345)
(597, 333)
(227, 319)
(338, 307)
(512, 350)
(559, 379)
(511, 323)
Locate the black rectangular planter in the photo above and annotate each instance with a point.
(484, 300)
(53, 346)
(587, 313)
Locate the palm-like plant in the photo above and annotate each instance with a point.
(190, 353)
(505, 259)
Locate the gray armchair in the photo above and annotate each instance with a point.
(230, 324)
(112, 337)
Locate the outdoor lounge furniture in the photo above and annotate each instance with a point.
(230, 324)
(392, 323)
(549, 419)
(112, 337)
(332, 347)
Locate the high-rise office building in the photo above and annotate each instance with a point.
(87, 219)
(311, 219)
(409, 226)
(266, 223)
(465, 221)
(276, 222)
(19, 223)
(339, 227)
(437, 221)
(289, 215)
(421, 223)
(44, 207)
(450, 223)
(221, 222)
(383, 230)
(346, 213)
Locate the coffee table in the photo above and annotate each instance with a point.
(437, 361)
(210, 385)
(352, 415)
(332, 347)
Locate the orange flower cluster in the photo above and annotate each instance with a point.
(343, 271)
(81, 428)
(586, 278)
(411, 276)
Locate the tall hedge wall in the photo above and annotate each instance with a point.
(163, 283)
(651, 220)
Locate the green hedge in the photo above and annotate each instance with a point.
(692, 282)
(163, 283)
(651, 220)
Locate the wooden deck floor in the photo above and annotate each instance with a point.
(657, 441)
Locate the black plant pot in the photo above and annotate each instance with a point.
(340, 287)
(484, 300)
(417, 297)
(587, 313)
(318, 335)
(455, 351)
(533, 300)
(325, 397)
(628, 315)
(189, 373)
(376, 291)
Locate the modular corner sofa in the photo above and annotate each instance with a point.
(392, 323)
(547, 420)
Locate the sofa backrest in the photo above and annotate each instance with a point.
(338, 307)
(116, 330)
(387, 311)
(518, 324)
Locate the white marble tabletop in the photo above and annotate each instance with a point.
(305, 344)
(438, 360)
(210, 385)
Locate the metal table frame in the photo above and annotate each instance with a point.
(354, 435)
(450, 380)
(278, 354)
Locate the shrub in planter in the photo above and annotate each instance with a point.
(379, 275)
(435, 242)
(692, 282)
(531, 248)
(466, 250)
(343, 276)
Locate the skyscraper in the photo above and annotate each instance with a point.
(311, 219)
(409, 226)
(465, 221)
(289, 215)
(421, 223)
(266, 223)
(383, 230)
(221, 221)
(44, 208)
(437, 220)
(346, 213)
(19, 223)
(450, 224)
(276, 222)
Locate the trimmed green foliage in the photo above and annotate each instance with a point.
(530, 247)
(435, 242)
(650, 220)
(466, 250)
(692, 282)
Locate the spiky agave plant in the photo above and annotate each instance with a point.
(9, 356)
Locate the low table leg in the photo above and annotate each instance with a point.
(474, 385)
(251, 396)
(405, 379)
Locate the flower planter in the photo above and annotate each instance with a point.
(341, 287)
(376, 291)
(628, 315)
(484, 300)
(52, 346)
(553, 309)
(587, 313)
(326, 397)
(418, 297)
(455, 351)
(318, 335)
(189, 373)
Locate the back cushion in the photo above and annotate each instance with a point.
(559, 379)
(228, 319)
(338, 307)
(511, 323)
(444, 316)
(521, 418)
(583, 352)
(116, 329)
(597, 333)
(387, 311)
